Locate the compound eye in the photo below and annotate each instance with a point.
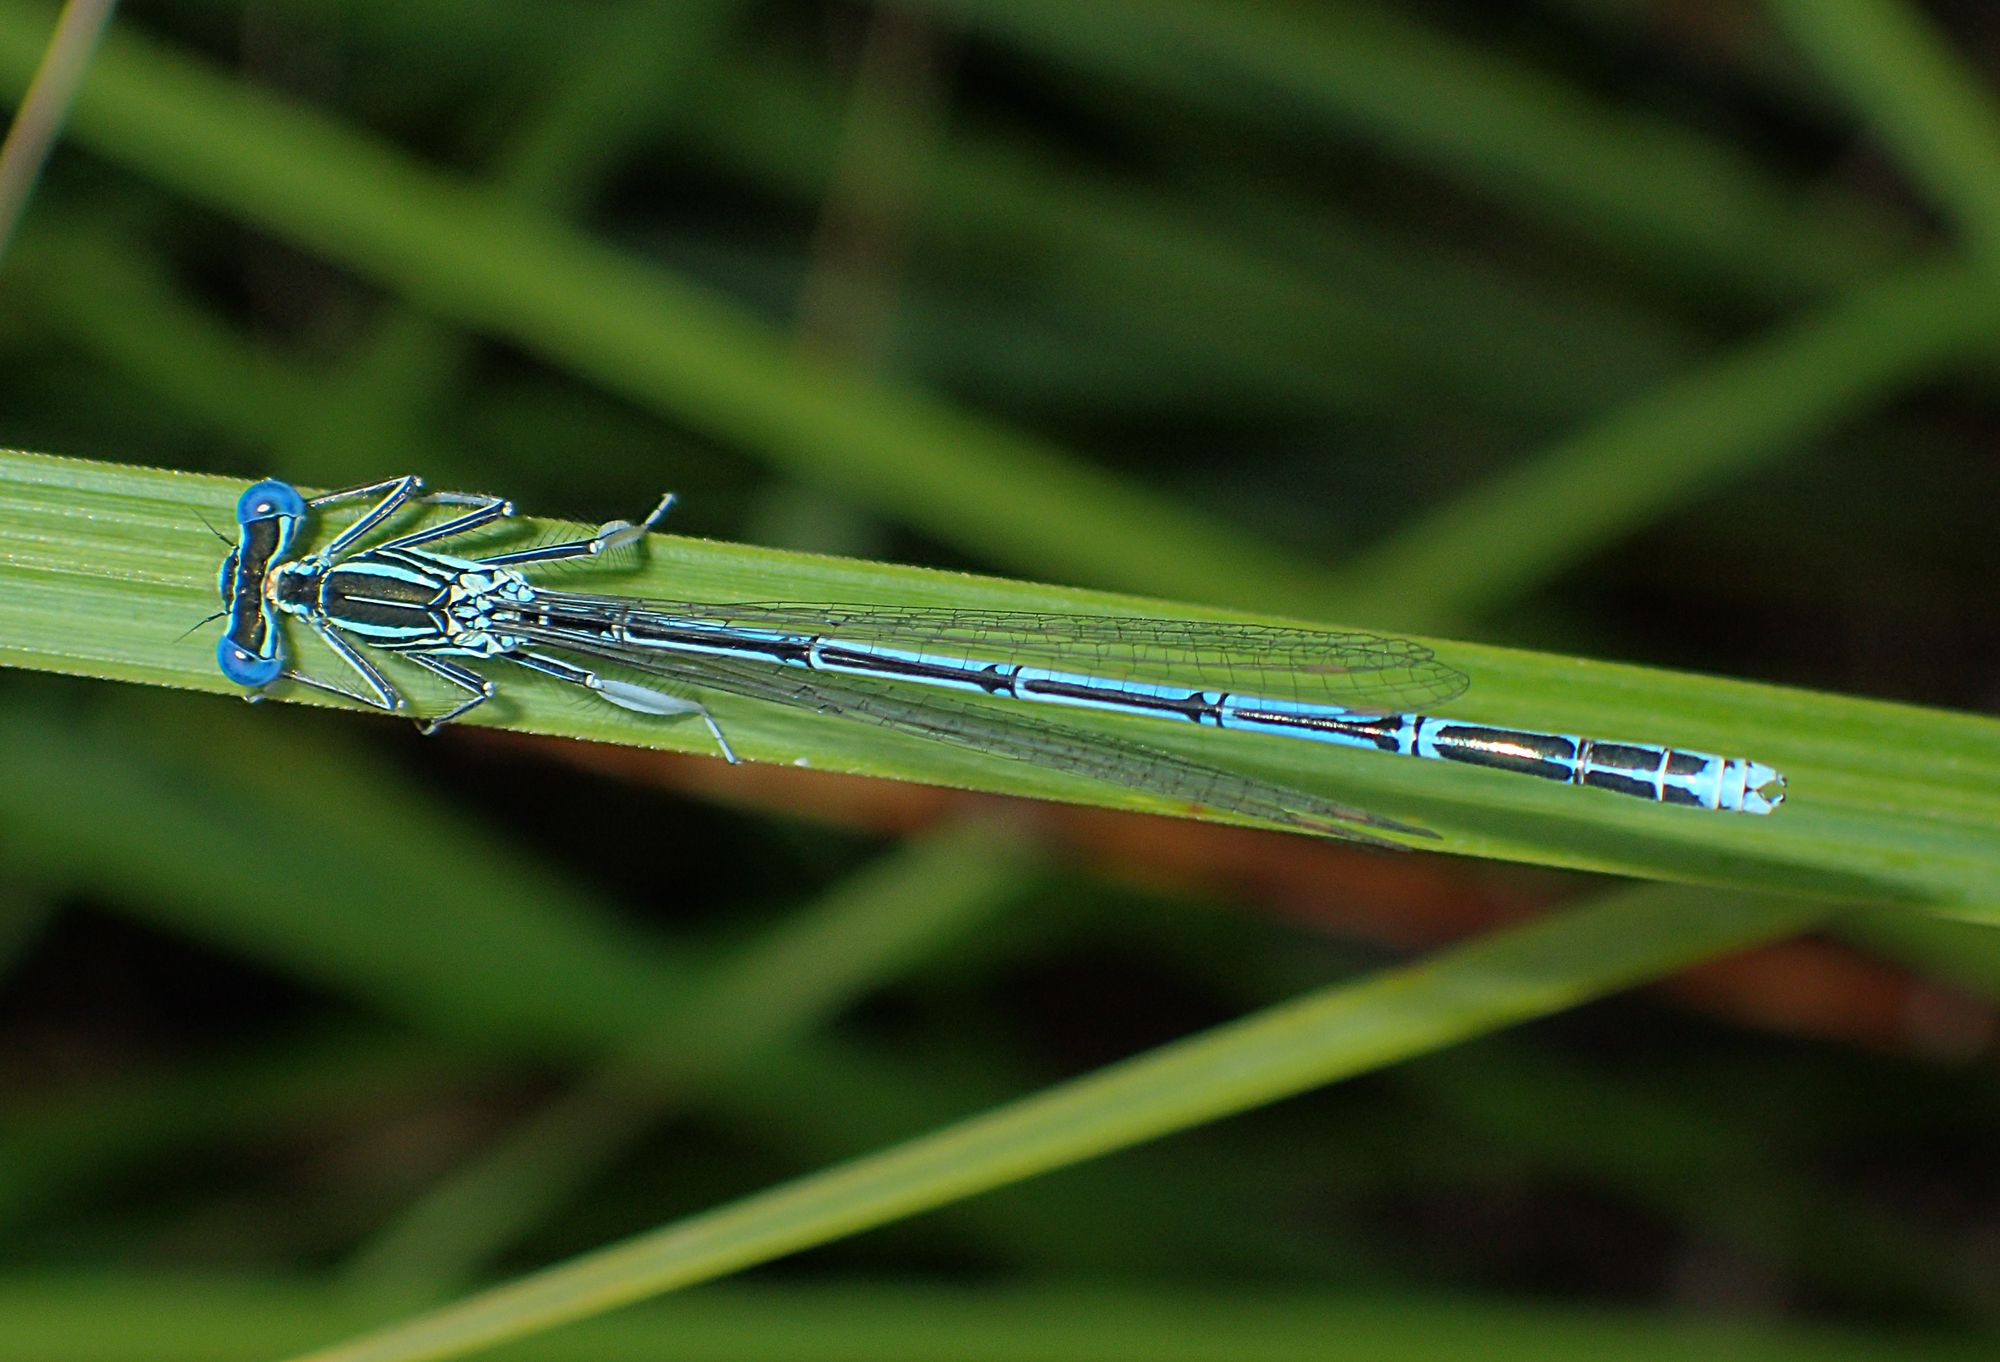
(267, 499)
(244, 667)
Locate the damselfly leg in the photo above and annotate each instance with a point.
(479, 689)
(394, 494)
(612, 534)
(641, 699)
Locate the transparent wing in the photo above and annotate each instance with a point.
(997, 732)
(1368, 672)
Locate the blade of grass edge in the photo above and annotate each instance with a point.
(1504, 979)
(105, 567)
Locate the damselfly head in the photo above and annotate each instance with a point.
(244, 667)
(267, 500)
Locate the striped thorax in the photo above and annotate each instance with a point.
(408, 600)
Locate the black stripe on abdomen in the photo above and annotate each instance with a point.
(1192, 706)
(1547, 755)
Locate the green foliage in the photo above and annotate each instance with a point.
(115, 559)
(1596, 326)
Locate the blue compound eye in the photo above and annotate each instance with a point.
(244, 667)
(269, 498)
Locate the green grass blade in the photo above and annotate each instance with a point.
(378, 395)
(176, 817)
(1672, 445)
(1375, 325)
(1937, 113)
(1635, 185)
(51, 1149)
(37, 122)
(131, 1319)
(504, 963)
(1603, 481)
(1723, 1172)
(1546, 966)
(169, 811)
(105, 568)
(791, 981)
(181, 811)
(96, 292)
(503, 270)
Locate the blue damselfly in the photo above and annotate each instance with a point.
(894, 666)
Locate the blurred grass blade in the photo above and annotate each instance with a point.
(1376, 325)
(1671, 446)
(1544, 967)
(1604, 480)
(1634, 185)
(170, 811)
(513, 957)
(1964, 953)
(637, 330)
(103, 569)
(38, 121)
(820, 958)
(126, 1318)
(24, 912)
(56, 1148)
(1937, 113)
(622, 62)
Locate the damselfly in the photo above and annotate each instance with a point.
(942, 674)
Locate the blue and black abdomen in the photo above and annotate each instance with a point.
(1645, 771)
(1664, 775)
